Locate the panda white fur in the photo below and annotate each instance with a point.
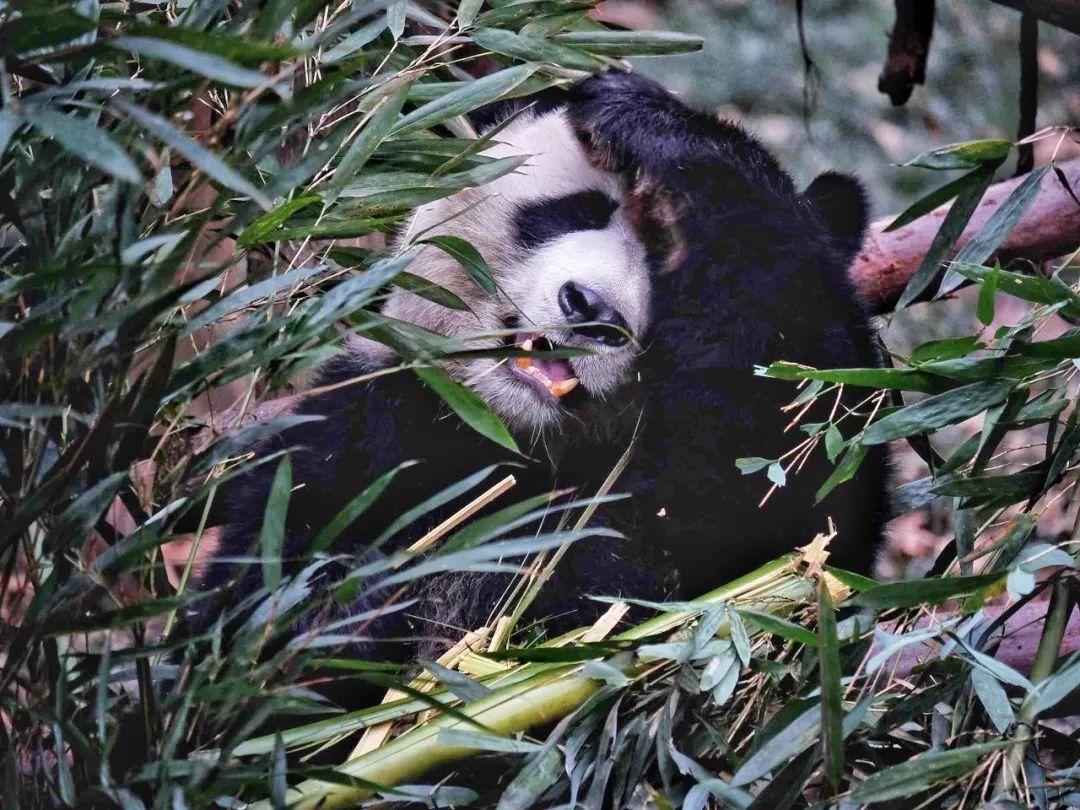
(674, 248)
(562, 249)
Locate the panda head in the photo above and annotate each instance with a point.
(570, 271)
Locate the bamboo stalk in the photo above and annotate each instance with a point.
(461, 515)
(553, 692)
(1057, 617)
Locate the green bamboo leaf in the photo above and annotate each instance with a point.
(1050, 692)
(272, 533)
(245, 296)
(946, 349)
(1036, 288)
(994, 699)
(463, 99)
(80, 137)
(1000, 489)
(987, 296)
(532, 780)
(937, 411)
(932, 591)
(779, 626)
(37, 29)
(967, 155)
(464, 688)
(262, 228)
(204, 63)
(879, 378)
(834, 442)
(467, 11)
(922, 772)
(934, 199)
(799, 735)
(951, 227)
(371, 136)
(364, 35)
(752, 464)
(352, 511)
(632, 43)
(473, 411)
(776, 474)
(468, 257)
(199, 156)
(832, 704)
(419, 285)
(845, 470)
(533, 49)
(997, 227)
(246, 49)
(479, 741)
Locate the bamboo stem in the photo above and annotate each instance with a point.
(545, 697)
(1057, 617)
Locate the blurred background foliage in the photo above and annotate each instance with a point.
(751, 69)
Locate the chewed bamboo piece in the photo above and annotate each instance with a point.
(540, 694)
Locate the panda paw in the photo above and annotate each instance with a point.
(626, 121)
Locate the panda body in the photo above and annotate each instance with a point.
(676, 250)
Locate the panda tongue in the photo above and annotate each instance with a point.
(554, 370)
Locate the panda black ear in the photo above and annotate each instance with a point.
(841, 203)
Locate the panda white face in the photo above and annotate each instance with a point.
(569, 268)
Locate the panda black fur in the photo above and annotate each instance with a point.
(686, 236)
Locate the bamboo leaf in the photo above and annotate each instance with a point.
(352, 511)
(368, 140)
(937, 411)
(263, 228)
(795, 738)
(473, 411)
(199, 156)
(967, 155)
(997, 227)
(922, 772)
(931, 591)
(845, 470)
(779, 626)
(987, 295)
(469, 258)
(463, 99)
(204, 63)
(935, 198)
(632, 43)
(82, 138)
(993, 698)
(951, 227)
(832, 706)
(272, 533)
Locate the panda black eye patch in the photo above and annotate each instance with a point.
(541, 222)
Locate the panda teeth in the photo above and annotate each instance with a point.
(557, 388)
(563, 387)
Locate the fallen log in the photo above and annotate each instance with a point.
(1050, 228)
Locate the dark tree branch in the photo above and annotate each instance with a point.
(1061, 13)
(1029, 89)
(909, 47)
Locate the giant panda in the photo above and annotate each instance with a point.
(672, 247)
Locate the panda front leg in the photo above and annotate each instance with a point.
(629, 123)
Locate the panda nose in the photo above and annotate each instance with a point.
(582, 305)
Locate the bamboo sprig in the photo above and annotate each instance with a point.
(542, 694)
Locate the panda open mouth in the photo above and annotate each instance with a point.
(554, 375)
